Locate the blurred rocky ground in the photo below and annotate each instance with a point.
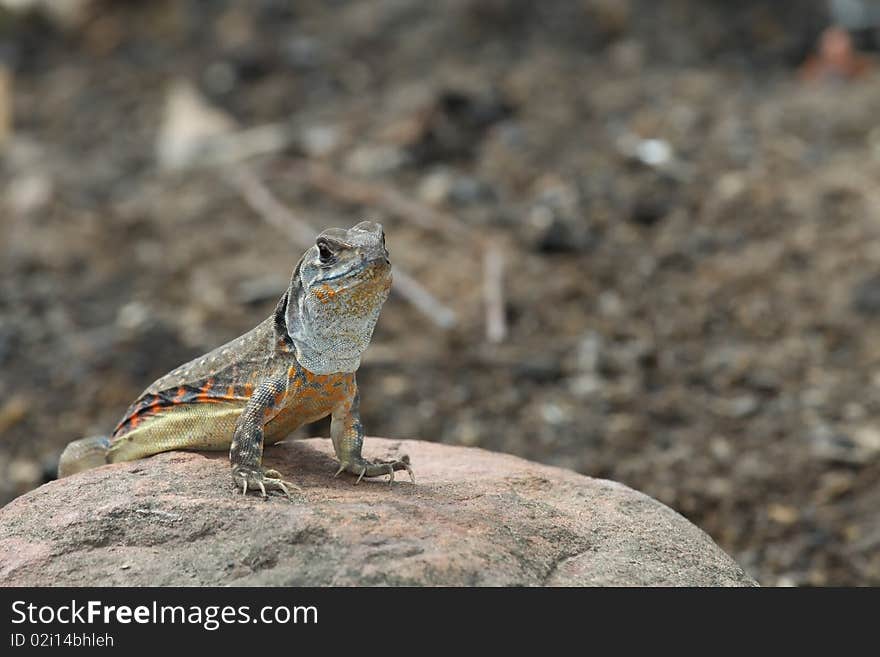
(687, 216)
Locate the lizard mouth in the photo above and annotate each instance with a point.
(356, 272)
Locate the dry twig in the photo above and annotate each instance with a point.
(493, 293)
(378, 195)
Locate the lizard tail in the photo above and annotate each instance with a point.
(83, 454)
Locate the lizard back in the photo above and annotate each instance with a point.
(225, 375)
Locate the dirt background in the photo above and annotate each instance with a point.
(690, 233)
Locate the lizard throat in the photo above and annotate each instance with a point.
(317, 362)
(330, 333)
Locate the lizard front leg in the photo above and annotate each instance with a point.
(246, 451)
(347, 434)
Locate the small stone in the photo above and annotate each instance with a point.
(220, 77)
(719, 488)
(29, 193)
(560, 235)
(538, 368)
(24, 474)
(455, 123)
(729, 186)
(320, 140)
(375, 160)
(867, 438)
(610, 304)
(467, 190)
(853, 411)
(654, 152)
(467, 433)
(553, 413)
(435, 188)
(133, 316)
(782, 514)
(858, 446)
(833, 485)
(720, 448)
(737, 407)
(189, 122)
(626, 56)
(620, 423)
(557, 238)
(649, 210)
(12, 411)
(394, 385)
(584, 385)
(302, 52)
(589, 352)
(787, 581)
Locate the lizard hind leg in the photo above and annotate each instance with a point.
(83, 454)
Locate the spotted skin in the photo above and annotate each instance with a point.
(296, 367)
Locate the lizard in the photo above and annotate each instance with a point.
(295, 367)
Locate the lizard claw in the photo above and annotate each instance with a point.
(363, 469)
(258, 479)
(405, 463)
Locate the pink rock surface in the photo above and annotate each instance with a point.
(474, 518)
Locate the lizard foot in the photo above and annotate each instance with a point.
(259, 479)
(364, 468)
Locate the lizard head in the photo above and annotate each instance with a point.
(336, 293)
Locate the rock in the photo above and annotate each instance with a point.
(320, 141)
(375, 160)
(188, 125)
(195, 133)
(436, 187)
(474, 518)
(28, 193)
(560, 236)
(440, 187)
(858, 446)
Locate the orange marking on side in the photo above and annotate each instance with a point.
(230, 392)
(248, 389)
(178, 398)
(203, 395)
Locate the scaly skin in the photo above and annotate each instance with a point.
(294, 368)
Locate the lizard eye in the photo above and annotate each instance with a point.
(324, 251)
